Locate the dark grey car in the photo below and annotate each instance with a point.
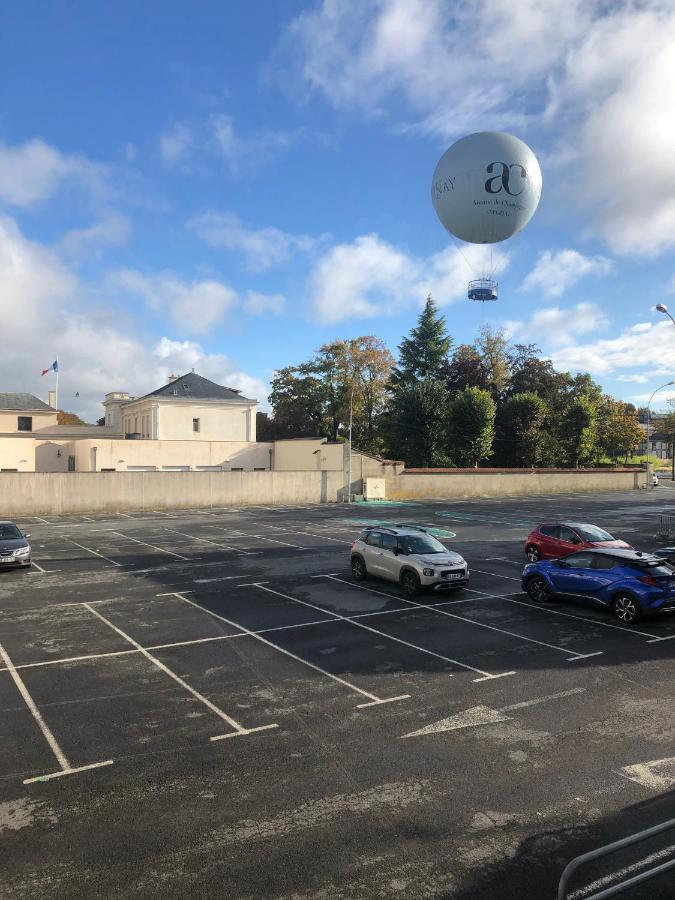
(14, 548)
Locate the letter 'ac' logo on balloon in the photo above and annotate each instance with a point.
(504, 177)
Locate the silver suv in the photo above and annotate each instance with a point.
(410, 556)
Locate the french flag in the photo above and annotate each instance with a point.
(53, 368)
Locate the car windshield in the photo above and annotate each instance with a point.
(421, 543)
(9, 533)
(592, 533)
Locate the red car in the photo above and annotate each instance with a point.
(554, 541)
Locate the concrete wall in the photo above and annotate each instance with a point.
(17, 453)
(122, 455)
(27, 494)
(308, 454)
(467, 483)
(171, 420)
(9, 419)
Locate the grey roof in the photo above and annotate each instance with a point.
(23, 401)
(195, 387)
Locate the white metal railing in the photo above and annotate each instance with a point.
(626, 883)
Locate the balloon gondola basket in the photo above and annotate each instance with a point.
(483, 290)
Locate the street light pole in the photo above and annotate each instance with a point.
(662, 308)
(649, 403)
(351, 422)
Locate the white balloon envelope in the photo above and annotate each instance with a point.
(486, 187)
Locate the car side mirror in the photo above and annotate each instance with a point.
(576, 540)
(26, 534)
(561, 563)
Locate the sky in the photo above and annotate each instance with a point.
(228, 186)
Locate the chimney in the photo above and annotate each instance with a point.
(52, 399)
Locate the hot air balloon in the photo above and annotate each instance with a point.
(485, 189)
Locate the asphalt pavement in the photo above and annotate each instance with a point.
(201, 703)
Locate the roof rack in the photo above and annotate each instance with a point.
(412, 527)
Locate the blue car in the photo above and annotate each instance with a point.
(629, 583)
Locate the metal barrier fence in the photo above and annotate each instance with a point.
(666, 527)
(622, 886)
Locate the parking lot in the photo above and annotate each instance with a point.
(203, 703)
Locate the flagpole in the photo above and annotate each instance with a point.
(56, 399)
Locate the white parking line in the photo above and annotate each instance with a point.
(573, 658)
(383, 634)
(95, 552)
(557, 612)
(238, 729)
(207, 541)
(145, 543)
(374, 701)
(61, 758)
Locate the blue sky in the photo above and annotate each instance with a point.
(228, 186)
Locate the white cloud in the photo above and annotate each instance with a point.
(652, 349)
(557, 270)
(370, 277)
(263, 248)
(633, 379)
(250, 150)
(34, 171)
(256, 304)
(45, 315)
(175, 144)
(114, 229)
(585, 80)
(195, 306)
(555, 326)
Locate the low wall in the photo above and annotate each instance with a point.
(468, 483)
(56, 493)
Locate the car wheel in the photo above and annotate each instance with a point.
(410, 583)
(533, 554)
(359, 569)
(538, 590)
(626, 609)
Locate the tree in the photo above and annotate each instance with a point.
(494, 352)
(531, 375)
(471, 427)
(371, 364)
(68, 418)
(297, 403)
(618, 430)
(521, 436)
(265, 427)
(415, 423)
(577, 431)
(424, 354)
(466, 369)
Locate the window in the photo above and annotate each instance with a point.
(423, 543)
(71, 464)
(593, 533)
(261, 469)
(552, 531)
(237, 469)
(25, 423)
(195, 424)
(566, 534)
(374, 539)
(579, 560)
(102, 470)
(605, 562)
(389, 542)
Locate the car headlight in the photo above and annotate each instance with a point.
(428, 572)
(22, 551)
